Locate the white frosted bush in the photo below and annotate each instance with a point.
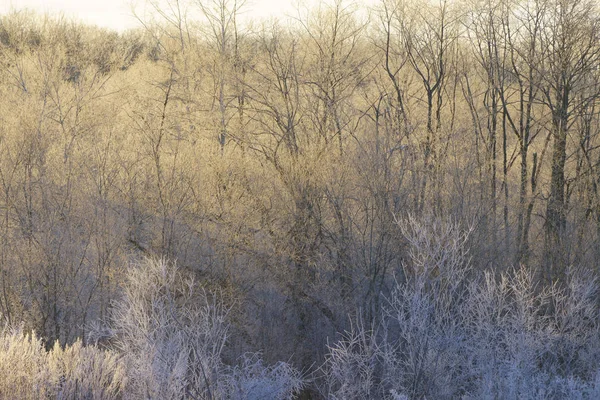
(28, 371)
(350, 366)
(448, 332)
(252, 380)
(85, 372)
(172, 336)
(533, 342)
(24, 369)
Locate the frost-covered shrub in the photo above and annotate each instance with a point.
(169, 337)
(533, 342)
(448, 332)
(28, 371)
(85, 372)
(417, 349)
(24, 369)
(350, 366)
(422, 347)
(172, 334)
(252, 380)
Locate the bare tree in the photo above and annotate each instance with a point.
(570, 43)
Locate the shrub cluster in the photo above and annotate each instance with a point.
(450, 333)
(167, 340)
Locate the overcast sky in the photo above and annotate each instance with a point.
(117, 14)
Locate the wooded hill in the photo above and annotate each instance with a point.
(306, 173)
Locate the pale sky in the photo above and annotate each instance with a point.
(116, 14)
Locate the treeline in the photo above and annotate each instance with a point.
(279, 162)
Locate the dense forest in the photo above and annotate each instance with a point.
(394, 203)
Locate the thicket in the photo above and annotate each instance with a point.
(450, 332)
(400, 202)
(167, 343)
